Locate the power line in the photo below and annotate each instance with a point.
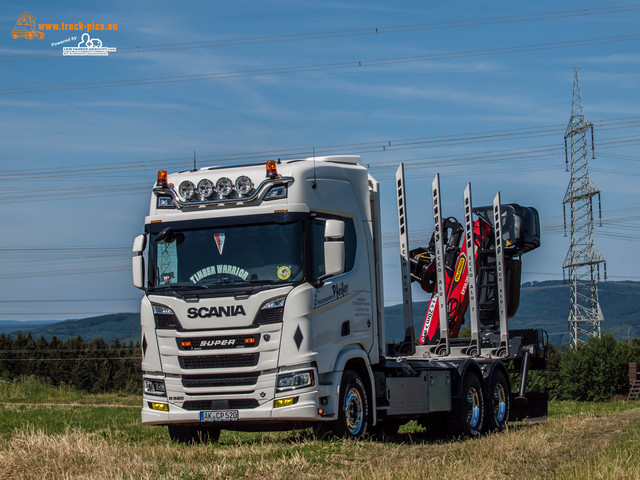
(369, 31)
(381, 145)
(353, 64)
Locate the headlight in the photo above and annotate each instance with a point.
(165, 318)
(243, 185)
(205, 188)
(224, 186)
(187, 190)
(155, 387)
(277, 191)
(295, 380)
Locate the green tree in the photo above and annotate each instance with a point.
(597, 370)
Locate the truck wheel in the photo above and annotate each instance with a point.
(353, 416)
(192, 435)
(468, 413)
(498, 401)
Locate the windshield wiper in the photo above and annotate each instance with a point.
(193, 290)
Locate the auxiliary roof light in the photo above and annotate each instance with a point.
(224, 186)
(187, 190)
(205, 188)
(162, 178)
(272, 172)
(243, 185)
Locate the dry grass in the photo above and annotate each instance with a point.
(579, 446)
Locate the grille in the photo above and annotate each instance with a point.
(210, 343)
(166, 321)
(220, 361)
(233, 380)
(238, 404)
(269, 315)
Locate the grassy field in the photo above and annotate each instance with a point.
(50, 433)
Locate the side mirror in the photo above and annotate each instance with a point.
(333, 248)
(137, 262)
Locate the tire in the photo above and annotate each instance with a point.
(468, 415)
(192, 435)
(354, 411)
(498, 402)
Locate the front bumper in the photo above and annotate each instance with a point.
(304, 409)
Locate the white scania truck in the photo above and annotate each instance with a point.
(263, 307)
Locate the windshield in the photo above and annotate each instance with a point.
(216, 257)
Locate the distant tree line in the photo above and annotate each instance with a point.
(594, 371)
(94, 366)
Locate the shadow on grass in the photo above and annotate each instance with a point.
(413, 434)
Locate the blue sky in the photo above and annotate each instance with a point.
(78, 156)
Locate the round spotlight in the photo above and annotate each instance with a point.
(205, 188)
(243, 185)
(224, 186)
(187, 190)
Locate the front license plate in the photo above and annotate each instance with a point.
(219, 416)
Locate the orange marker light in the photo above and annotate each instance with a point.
(185, 344)
(249, 341)
(272, 172)
(162, 178)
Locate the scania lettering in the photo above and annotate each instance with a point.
(206, 312)
(263, 306)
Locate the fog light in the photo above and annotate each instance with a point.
(187, 190)
(283, 402)
(243, 185)
(224, 186)
(205, 188)
(159, 406)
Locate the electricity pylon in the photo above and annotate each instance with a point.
(583, 258)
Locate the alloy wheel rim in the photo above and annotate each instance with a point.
(353, 411)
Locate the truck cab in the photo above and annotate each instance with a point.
(260, 287)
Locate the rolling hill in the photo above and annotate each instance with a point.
(542, 305)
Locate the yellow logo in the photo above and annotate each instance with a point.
(25, 27)
(284, 272)
(459, 268)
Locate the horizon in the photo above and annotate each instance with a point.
(484, 95)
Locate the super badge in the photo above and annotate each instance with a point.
(284, 272)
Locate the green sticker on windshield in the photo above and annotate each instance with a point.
(284, 272)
